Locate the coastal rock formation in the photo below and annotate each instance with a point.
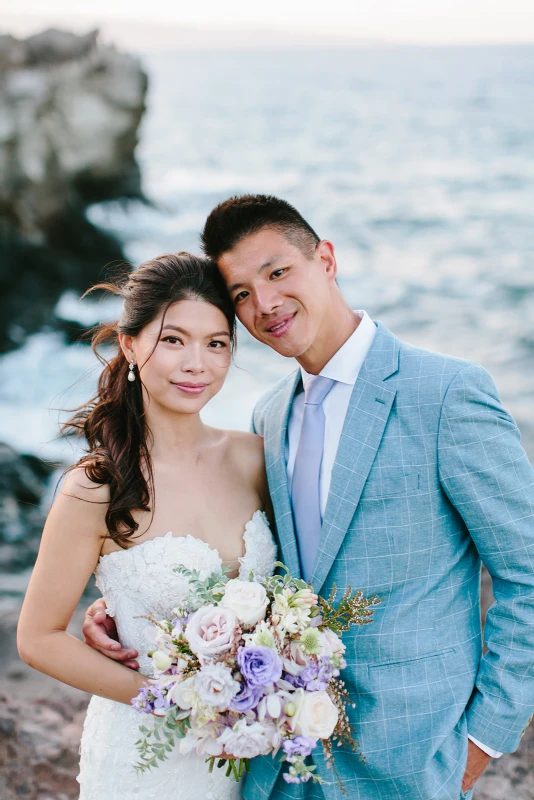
(23, 482)
(69, 116)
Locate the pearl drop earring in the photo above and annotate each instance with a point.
(131, 374)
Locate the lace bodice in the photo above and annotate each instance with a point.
(141, 580)
(134, 583)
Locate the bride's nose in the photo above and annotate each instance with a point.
(193, 360)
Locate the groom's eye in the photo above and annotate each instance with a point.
(277, 273)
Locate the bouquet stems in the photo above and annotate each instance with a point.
(234, 766)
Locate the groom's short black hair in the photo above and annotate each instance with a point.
(241, 216)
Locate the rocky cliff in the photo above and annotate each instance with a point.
(69, 116)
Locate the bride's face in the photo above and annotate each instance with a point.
(184, 363)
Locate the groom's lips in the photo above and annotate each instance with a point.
(281, 325)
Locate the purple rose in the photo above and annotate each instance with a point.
(246, 699)
(259, 665)
(298, 746)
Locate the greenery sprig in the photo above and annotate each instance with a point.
(275, 584)
(353, 609)
(208, 591)
(157, 742)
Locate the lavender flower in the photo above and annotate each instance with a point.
(142, 703)
(246, 699)
(259, 666)
(150, 698)
(315, 677)
(160, 697)
(298, 746)
(294, 680)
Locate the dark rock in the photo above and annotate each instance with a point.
(23, 481)
(55, 46)
(67, 139)
(12, 52)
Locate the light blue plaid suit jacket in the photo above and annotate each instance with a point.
(430, 479)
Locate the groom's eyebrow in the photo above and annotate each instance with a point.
(266, 264)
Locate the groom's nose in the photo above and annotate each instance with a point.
(266, 298)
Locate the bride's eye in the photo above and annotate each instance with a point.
(215, 345)
(171, 339)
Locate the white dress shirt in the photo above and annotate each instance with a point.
(344, 368)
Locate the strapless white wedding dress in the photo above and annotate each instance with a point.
(137, 582)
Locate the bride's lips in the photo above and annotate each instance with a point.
(281, 325)
(191, 388)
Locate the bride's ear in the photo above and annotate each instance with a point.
(126, 345)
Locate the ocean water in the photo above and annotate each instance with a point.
(417, 163)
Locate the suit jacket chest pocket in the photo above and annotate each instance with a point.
(391, 483)
(393, 515)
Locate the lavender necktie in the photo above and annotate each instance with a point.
(305, 487)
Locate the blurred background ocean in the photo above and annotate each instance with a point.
(416, 162)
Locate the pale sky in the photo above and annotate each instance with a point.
(403, 21)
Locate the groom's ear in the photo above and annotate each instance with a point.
(324, 253)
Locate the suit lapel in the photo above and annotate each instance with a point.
(369, 408)
(275, 459)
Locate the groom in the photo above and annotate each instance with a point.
(397, 471)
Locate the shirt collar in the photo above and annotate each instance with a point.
(345, 365)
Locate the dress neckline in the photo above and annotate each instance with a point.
(188, 537)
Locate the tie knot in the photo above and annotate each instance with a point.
(316, 389)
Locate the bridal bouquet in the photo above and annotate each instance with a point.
(246, 668)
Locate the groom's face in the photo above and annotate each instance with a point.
(281, 294)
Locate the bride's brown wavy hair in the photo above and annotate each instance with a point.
(113, 421)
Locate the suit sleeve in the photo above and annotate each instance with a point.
(488, 478)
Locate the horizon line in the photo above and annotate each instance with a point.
(132, 26)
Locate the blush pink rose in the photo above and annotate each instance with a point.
(210, 631)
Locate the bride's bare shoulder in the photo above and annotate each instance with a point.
(246, 444)
(78, 485)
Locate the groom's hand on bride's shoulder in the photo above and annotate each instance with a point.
(100, 633)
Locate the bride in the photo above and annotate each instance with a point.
(158, 488)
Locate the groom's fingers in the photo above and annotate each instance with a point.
(131, 663)
(100, 633)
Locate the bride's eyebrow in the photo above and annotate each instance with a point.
(187, 333)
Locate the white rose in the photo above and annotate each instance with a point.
(210, 631)
(247, 741)
(161, 660)
(248, 600)
(202, 740)
(183, 694)
(331, 644)
(215, 686)
(315, 716)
